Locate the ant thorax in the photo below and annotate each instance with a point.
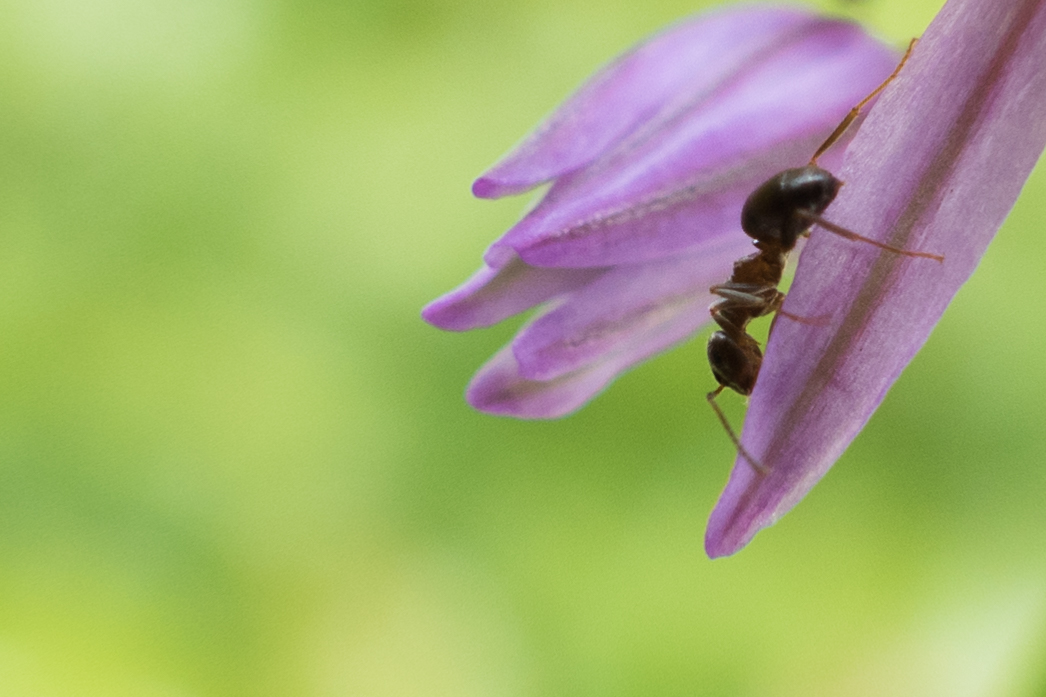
(764, 267)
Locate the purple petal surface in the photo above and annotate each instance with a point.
(937, 166)
(626, 301)
(679, 182)
(498, 387)
(691, 58)
(494, 294)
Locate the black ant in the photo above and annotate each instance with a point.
(775, 215)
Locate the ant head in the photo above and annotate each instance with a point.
(772, 212)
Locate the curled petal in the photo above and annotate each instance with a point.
(937, 166)
(677, 183)
(625, 301)
(637, 89)
(494, 294)
(498, 387)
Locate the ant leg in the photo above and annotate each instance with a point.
(758, 299)
(760, 468)
(849, 119)
(745, 295)
(818, 321)
(773, 323)
(850, 235)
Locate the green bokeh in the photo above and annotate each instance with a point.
(233, 461)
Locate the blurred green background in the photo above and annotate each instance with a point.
(233, 461)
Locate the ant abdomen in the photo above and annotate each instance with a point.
(732, 365)
(773, 212)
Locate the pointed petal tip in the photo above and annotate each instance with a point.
(490, 186)
(741, 510)
(715, 549)
(499, 390)
(484, 187)
(436, 314)
(496, 403)
(724, 543)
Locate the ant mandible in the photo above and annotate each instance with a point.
(775, 215)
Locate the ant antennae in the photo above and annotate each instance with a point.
(850, 235)
(760, 468)
(849, 119)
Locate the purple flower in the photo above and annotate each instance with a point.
(650, 162)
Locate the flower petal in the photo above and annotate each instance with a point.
(494, 294)
(680, 182)
(627, 300)
(636, 89)
(936, 167)
(498, 387)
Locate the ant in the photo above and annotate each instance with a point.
(775, 215)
